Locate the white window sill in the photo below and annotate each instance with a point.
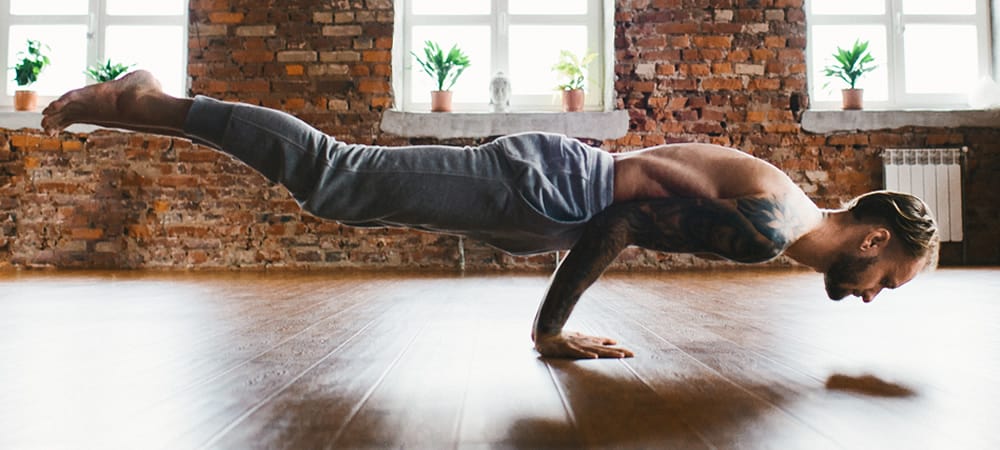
(865, 120)
(16, 120)
(591, 125)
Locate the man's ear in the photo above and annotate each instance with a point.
(876, 240)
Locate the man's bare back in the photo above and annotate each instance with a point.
(696, 171)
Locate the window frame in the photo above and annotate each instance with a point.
(895, 22)
(601, 74)
(97, 20)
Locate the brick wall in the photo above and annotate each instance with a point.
(730, 72)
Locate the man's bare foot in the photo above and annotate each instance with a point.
(135, 101)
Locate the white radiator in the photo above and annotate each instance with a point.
(934, 175)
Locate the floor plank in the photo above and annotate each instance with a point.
(726, 359)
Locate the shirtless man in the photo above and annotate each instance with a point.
(537, 192)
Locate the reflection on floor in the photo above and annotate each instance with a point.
(751, 359)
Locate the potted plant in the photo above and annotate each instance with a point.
(26, 72)
(106, 72)
(444, 69)
(851, 65)
(573, 70)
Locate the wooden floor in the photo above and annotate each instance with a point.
(723, 360)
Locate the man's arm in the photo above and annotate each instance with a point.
(745, 230)
(604, 237)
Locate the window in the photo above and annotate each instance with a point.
(521, 38)
(151, 34)
(929, 52)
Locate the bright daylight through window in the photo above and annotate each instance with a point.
(81, 34)
(521, 38)
(928, 53)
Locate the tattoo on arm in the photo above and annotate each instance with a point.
(751, 229)
(605, 236)
(747, 230)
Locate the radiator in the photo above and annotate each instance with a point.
(934, 175)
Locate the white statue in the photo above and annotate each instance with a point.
(500, 92)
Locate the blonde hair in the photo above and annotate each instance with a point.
(906, 216)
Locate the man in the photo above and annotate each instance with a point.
(537, 192)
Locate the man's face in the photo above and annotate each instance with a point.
(866, 276)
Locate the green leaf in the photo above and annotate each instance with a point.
(443, 68)
(851, 64)
(572, 69)
(31, 63)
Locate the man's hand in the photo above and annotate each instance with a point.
(573, 345)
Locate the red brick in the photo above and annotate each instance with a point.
(695, 69)
(187, 231)
(252, 56)
(712, 41)
(762, 55)
(228, 18)
(722, 68)
(711, 54)
(374, 87)
(782, 128)
(679, 41)
(88, 234)
(380, 101)
(774, 42)
(738, 55)
(250, 86)
(360, 71)
(665, 69)
(764, 84)
(294, 104)
(644, 86)
(792, 55)
(376, 56)
(178, 181)
(713, 84)
(677, 28)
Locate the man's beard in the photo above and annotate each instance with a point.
(845, 270)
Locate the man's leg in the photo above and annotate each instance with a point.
(279, 146)
(134, 102)
(433, 187)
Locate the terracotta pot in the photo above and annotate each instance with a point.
(440, 101)
(573, 100)
(25, 100)
(853, 98)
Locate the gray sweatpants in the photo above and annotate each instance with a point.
(524, 193)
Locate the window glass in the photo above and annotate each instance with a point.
(548, 7)
(67, 50)
(474, 41)
(824, 42)
(939, 7)
(49, 7)
(535, 49)
(935, 65)
(145, 7)
(449, 7)
(852, 7)
(152, 48)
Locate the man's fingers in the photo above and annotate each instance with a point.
(603, 351)
(579, 346)
(581, 351)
